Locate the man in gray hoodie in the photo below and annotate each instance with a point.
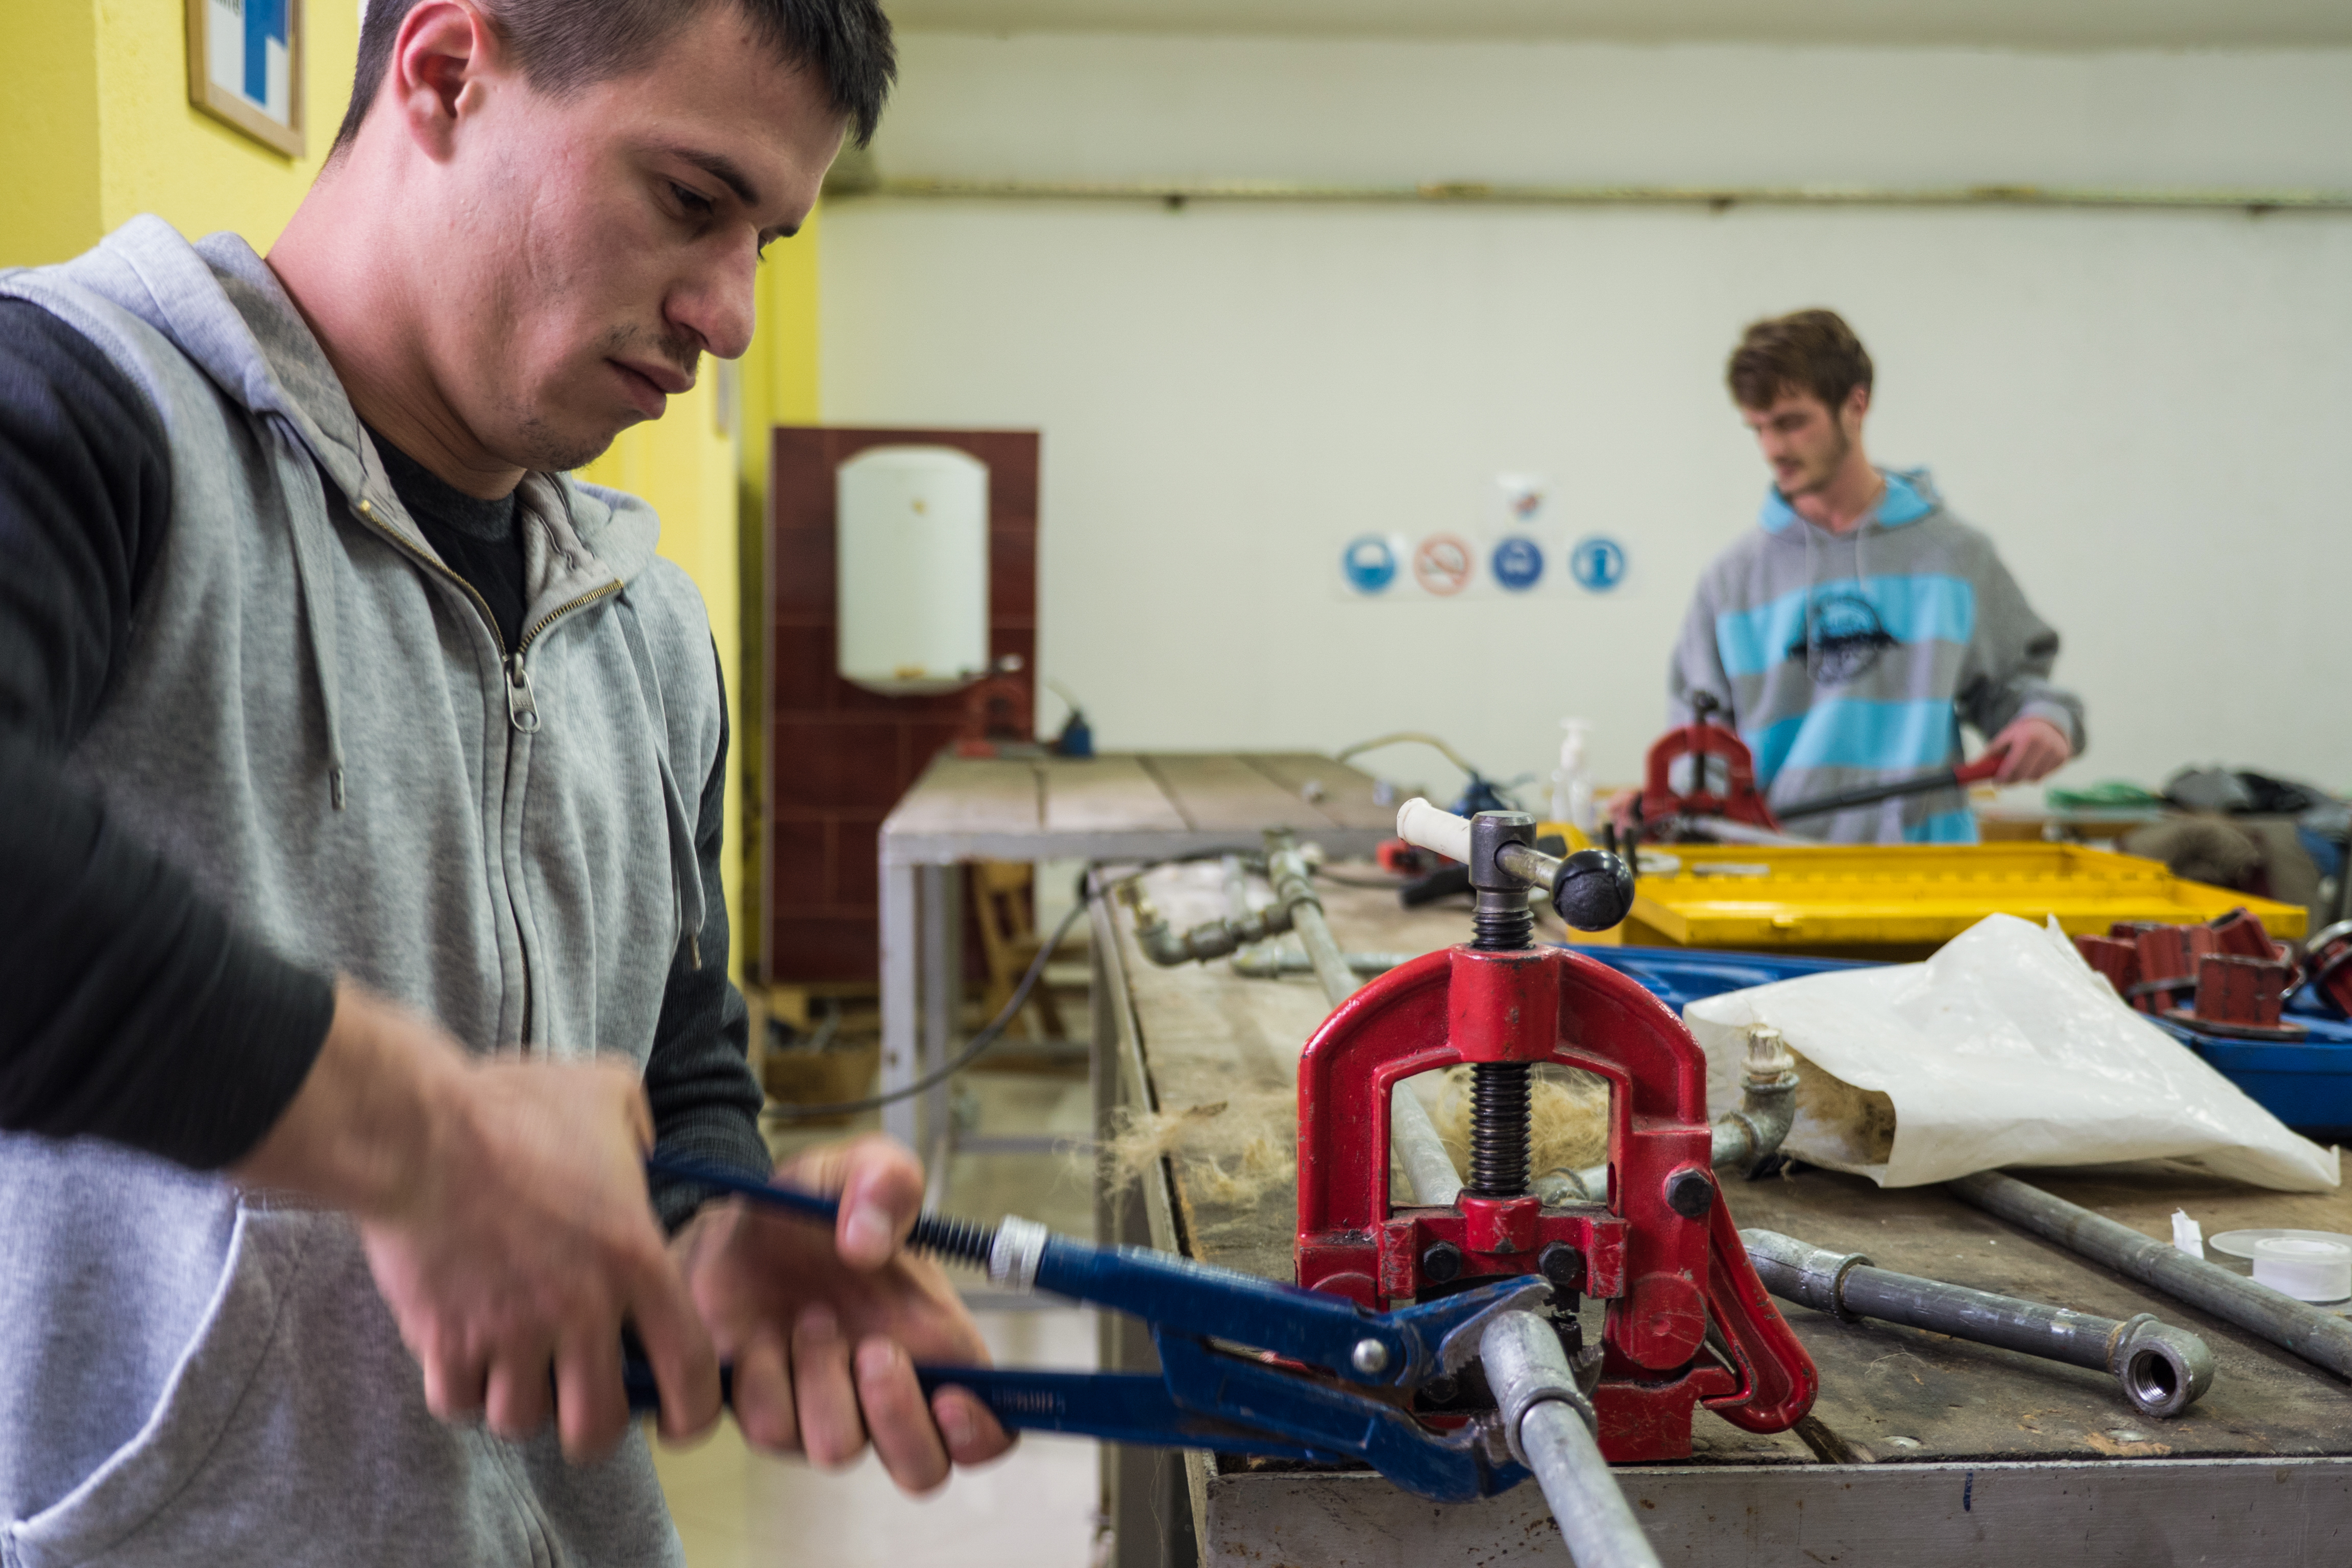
(1853, 633)
(363, 776)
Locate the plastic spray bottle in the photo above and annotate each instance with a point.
(1571, 781)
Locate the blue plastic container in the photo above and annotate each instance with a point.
(2305, 1083)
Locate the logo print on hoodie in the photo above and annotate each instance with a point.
(1845, 639)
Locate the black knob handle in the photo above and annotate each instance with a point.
(1593, 891)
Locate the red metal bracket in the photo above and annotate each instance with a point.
(1664, 1274)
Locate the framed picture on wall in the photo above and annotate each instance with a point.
(244, 67)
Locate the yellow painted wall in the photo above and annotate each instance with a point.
(779, 387)
(48, 131)
(99, 129)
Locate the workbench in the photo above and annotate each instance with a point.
(1922, 1450)
(1132, 806)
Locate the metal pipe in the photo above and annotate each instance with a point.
(2320, 1338)
(1177, 192)
(2162, 1370)
(1294, 889)
(1768, 1109)
(1548, 1425)
(1210, 939)
(1276, 962)
(1722, 830)
(1428, 1168)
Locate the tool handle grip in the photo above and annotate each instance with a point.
(1983, 768)
(1427, 827)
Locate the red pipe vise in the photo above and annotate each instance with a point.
(1687, 1320)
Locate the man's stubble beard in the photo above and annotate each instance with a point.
(546, 448)
(1830, 470)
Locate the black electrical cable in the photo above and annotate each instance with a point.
(965, 1058)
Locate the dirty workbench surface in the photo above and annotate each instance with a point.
(1220, 1048)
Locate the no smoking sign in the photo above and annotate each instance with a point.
(1441, 565)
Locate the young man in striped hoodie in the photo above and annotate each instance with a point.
(1850, 636)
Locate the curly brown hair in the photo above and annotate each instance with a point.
(1807, 351)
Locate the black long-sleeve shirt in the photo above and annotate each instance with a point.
(132, 1007)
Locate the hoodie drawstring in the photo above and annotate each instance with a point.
(307, 498)
(685, 867)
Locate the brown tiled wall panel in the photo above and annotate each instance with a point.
(839, 756)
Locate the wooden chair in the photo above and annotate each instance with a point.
(1004, 900)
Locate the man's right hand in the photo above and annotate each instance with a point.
(504, 1210)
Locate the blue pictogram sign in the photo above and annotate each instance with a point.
(1370, 564)
(1518, 562)
(1598, 563)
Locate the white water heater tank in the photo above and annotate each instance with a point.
(911, 548)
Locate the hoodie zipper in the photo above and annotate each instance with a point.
(523, 708)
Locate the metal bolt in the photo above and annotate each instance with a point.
(1370, 1357)
(1440, 1263)
(1689, 1194)
(1562, 1265)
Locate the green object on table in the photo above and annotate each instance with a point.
(2111, 795)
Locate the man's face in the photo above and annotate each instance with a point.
(1803, 440)
(607, 240)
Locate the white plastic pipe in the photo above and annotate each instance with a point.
(1427, 827)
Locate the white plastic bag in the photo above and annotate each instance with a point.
(2005, 1049)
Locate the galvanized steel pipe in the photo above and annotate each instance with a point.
(2162, 1370)
(1548, 1425)
(2320, 1338)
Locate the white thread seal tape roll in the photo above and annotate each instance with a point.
(2306, 1269)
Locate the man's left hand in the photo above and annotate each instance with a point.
(824, 1330)
(2031, 749)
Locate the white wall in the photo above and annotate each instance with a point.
(2146, 409)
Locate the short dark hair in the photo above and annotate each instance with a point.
(1809, 350)
(562, 46)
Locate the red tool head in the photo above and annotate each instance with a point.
(1663, 1250)
(1659, 802)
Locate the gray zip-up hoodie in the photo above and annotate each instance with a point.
(320, 726)
(1852, 659)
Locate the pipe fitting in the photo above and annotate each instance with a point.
(2163, 1370)
(1526, 1367)
(1214, 939)
(1767, 1102)
(1796, 1271)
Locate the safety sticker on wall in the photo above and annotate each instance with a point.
(1519, 502)
(1368, 563)
(1442, 564)
(1517, 563)
(1596, 563)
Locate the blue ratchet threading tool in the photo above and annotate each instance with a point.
(1347, 1401)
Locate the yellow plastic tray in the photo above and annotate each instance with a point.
(1911, 896)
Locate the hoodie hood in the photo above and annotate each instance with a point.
(1910, 496)
(221, 306)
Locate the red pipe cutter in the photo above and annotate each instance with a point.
(1687, 1320)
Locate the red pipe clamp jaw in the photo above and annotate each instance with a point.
(1663, 1251)
(1699, 740)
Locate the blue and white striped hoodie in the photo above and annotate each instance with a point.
(1851, 659)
